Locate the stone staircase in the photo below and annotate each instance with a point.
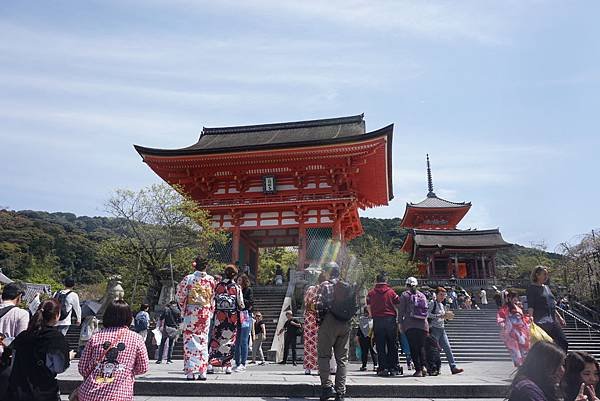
(475, 336)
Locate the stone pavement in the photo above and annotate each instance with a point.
(151, 398)
(480, 380)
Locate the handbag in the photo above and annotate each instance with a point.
(170, 332)
(537, 334)
(74, 396)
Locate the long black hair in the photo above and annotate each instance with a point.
(540, 366)
(574, 365)
(47, 313)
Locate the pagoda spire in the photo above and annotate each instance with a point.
(430, 194)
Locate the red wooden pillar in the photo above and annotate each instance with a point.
(336, 230)
(235, 244)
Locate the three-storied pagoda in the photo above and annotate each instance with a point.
(442, 250)
(283, 184)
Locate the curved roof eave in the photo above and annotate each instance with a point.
(387, 130)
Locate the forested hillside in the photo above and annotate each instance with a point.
(45, 247)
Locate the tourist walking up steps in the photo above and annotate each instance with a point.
(40, 353)
(245, 324)
(69, 301)
(196, 300)
(539, 377)
(581, 377)
(168, 325)
(311, 327)
(228, 302)
(542, 306)
(365, 340)
(141, 322)
(514, 328)
(413, 322)
(291, 328)
(259, 336)
(336, 306)
(382, 302)
(438, 315)
(112, 358)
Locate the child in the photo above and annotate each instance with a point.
(292, 329)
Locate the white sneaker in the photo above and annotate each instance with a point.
(210, 369)
(307, 371)
(239, 368)
(228, 370)
(202, 376)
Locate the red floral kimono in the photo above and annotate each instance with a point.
(195, 298)
(515, 332)
(310, 328)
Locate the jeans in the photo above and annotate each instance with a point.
(257, 348)
(241, 345)
(161, 348)
(289, 341)
(416, 342)
(386, 338)
(442, 338)
(405, 348)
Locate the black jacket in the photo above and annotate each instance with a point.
(30, 379)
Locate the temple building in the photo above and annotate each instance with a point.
(443, 251)
(284, 184)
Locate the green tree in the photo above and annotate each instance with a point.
(159, 222)
(270, 257)
(373, 257)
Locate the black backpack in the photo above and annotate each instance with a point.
(62, 298)
(343, 306)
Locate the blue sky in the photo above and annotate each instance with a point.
(504, 96)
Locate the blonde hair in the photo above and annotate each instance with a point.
(537, 270)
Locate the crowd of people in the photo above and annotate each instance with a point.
(216, 317)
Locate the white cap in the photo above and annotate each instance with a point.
(412, 282)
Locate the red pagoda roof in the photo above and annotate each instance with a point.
(434, 212)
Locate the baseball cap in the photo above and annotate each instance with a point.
(411, 281)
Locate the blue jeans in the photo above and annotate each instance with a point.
(241, 345)
(442, 338)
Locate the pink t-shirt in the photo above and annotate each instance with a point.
(112, 378)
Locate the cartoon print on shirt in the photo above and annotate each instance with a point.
(106, 370)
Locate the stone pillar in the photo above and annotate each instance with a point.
(167, 294)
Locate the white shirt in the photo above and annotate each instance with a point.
(72, 303)
(483, 297)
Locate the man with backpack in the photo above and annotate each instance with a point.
(336, 305)
(412, 320)
(69, 302)
(13, 320)
(382, 302)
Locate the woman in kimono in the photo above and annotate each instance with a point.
(514, 327)
(228, 302)
(310, 326)
(195, 298)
